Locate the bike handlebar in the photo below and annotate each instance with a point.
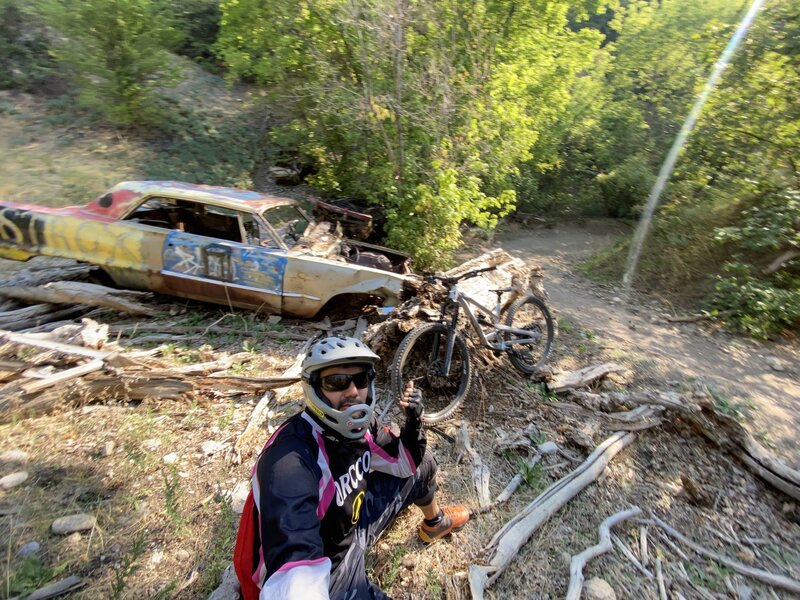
(452, 280)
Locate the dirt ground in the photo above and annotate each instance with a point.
(158, 476)
(667, 351)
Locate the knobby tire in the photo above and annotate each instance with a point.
(532, 314)
(415, 360)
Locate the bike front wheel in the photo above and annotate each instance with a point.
(529, 313)
(420, 358)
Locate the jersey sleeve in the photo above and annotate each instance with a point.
(286, 493)
(400, 455)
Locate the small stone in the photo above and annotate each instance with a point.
(14, 457)
(409, 562)
(156, 557)
(73, 523)
(151, 444)
(788, 508)
(547, 448)
(170, 458)
(598, 589)
(239, 496)
(29, 549)
(13, 480)
(211, 447)
(745, 592)
(616, 300)
(108, 449)
(775, 364)
(182, 554)
(229, 588)
(746, 556)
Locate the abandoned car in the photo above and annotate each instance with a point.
(227, 246)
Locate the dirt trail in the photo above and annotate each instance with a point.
(668, 352)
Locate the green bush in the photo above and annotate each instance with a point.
(24, 60)
(116, 53)
(756, 306)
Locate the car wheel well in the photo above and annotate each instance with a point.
(345, 306)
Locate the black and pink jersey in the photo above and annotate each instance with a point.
(312, 491)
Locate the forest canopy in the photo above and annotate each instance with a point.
(450, 114)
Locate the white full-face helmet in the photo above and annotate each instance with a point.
(351, 423)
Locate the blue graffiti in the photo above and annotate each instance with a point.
(229, 262)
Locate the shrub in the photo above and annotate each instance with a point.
(755, 306)
(115, 51)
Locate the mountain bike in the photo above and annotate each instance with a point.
(436, 356)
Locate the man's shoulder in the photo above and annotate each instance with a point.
(295, 436)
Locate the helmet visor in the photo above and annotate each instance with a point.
(338, 382)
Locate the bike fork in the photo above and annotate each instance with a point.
(450, 343)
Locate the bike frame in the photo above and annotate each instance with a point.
(473, 309)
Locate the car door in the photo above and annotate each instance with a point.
(209, 258)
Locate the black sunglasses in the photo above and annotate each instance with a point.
(339, 382)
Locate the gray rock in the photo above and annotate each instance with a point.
(211, 447)
(108, 449)
(547, 448)
(73, 523)
(775, 364)
(29, 549)
(598, 589)
(14, 457)
(239, 496)
(13, 480)
(170, 458)
(229, 588)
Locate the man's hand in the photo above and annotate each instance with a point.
(411, 402)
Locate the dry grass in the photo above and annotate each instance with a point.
(44, 161)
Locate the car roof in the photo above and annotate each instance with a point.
(118, 201)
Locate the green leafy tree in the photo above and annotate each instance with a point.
(426, 107)
(116, 52)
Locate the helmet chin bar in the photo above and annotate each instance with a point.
(351, 423)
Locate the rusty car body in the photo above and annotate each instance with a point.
(227, 246)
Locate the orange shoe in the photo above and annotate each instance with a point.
(453, 519)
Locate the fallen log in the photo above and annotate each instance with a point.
(62, 377)
(579, 560)
(32, 340)
(76, 292)
(134, 330)
(728, 434)
(582, 377)
(507, 542)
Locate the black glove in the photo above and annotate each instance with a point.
(415, 408)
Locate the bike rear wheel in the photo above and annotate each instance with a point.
(530, 313)
(420, 357)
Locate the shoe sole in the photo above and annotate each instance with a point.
(441, 537)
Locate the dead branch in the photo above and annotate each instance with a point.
(62, 377)
(579, 560)
(772, 579)
(262, 411)
(510, 538)
(480, 472)
(662, 589)
(133, 330)
(32, 340)
(626, 552)
(76, 292)
(582, 377)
